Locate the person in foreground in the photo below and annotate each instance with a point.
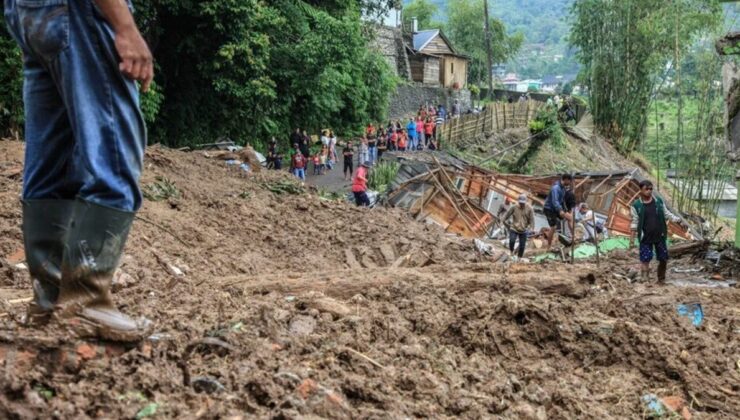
(359, 185)
(522, 222)
(650, 218)
(85, 140)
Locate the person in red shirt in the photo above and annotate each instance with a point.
(298, 163)
(428, 130)
(402, 140)
(370, 131)
(359, 185)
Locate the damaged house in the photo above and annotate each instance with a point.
(463, 198)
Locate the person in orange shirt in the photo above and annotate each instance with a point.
(402, 140)
(394, 140)
(428, 130)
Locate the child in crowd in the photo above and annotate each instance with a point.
(316, 167)
(323, 159)
(298, 163)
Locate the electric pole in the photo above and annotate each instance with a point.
(489, 69)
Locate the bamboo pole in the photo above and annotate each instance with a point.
(596, 238)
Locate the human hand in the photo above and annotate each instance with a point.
(137, 62)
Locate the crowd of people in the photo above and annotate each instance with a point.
(419, 132)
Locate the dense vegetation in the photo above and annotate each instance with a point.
(624, 46)
(247, 69)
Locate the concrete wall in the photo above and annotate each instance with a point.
(405, 102)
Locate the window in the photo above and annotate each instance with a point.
(452, 68)
(459, 183)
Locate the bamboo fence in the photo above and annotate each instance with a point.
(497, 117)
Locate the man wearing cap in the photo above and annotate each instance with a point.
(522, 221)
(359, 185)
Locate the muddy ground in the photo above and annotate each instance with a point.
(274, 304)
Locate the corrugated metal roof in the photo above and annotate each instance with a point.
(422, 38)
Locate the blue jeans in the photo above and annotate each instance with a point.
(300, 173)
(373, 154)
(85, 134)
(522, 237)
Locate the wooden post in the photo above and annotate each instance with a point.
(505, 106)
(596, 238)
(485, 117)
(573, 236)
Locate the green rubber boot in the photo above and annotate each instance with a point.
(662, 269)
(93, 250)
(45, 227)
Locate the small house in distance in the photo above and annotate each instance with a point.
(434, 61)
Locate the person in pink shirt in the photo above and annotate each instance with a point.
(359, 185)
(420, 132)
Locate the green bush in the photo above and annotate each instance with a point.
(11, 86)
(382, 175)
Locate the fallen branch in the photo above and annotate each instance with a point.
(165, 230)
(366, 358)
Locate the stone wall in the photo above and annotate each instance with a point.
(408, 97)
(389, 41)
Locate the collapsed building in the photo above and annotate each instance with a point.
(464, 198)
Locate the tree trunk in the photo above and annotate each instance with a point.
(489, 75)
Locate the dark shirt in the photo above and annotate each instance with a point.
(296, 138)
(651, 229)
(348, 156)
(556, 198)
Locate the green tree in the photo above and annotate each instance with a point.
(623, 45)
(465, 27)
(423, 10)
(11, 84)
(248, 69)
